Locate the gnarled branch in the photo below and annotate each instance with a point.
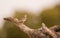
(35, 33)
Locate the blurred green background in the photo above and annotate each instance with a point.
(49, 16)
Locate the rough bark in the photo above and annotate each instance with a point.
(43, 32)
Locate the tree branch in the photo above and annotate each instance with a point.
(20, 23)
(35, 33)
(48, 31)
